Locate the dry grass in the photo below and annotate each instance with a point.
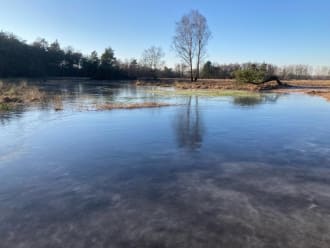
(12, 95)
(324, 94)
(219, 87)
(209, 84)
(310, 83)
(223, 85)
(58, 103)
(20, 93)
(111, 106)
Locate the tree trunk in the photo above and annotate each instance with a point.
(197, 74)
(197, 71)
(198, 61)
(191, 72)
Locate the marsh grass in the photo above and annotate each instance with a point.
(58, 103)
(12, 95)
(215, 84)
(310, 83)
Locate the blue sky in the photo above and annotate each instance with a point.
(275, 31)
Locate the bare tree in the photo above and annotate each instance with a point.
(202, 36)
(183, 42)
(190, 40)
(153, 58)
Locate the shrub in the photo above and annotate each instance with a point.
(250, 75)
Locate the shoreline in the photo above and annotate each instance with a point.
(13, 95)
(319, 88)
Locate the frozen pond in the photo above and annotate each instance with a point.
(208, 172)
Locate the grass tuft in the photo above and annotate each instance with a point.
(12, 95)
(58, 103)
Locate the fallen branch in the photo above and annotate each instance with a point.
(269, 79)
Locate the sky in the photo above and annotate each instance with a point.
(274, 31)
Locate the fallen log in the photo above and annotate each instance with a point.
(268, 79)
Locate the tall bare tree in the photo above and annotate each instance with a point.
(202, 36)
(191, 37)
(183, 42)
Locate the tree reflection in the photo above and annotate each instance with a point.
(255, 100)
(188, 125)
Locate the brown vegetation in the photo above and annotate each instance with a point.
(324, 94)
(111, 106)
(58, 103)
(12, 95)
(218, 84)
(310, 83)
(230, 84)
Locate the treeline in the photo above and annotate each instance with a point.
(43, 59)
(288, 72)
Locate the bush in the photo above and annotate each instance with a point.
(250, 75)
